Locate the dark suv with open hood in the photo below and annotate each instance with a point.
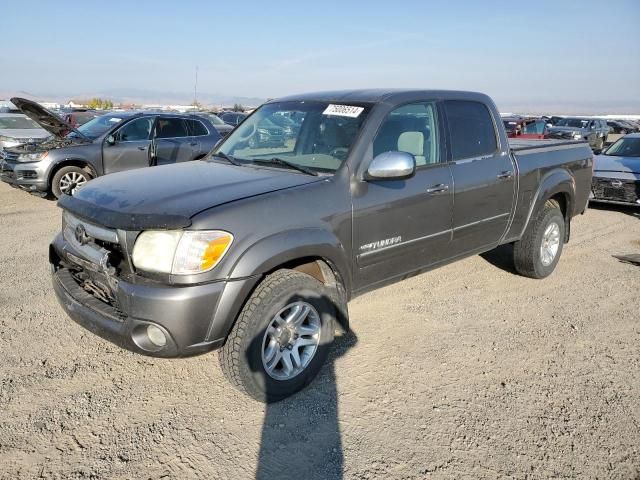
(592, 130)
(109, 143)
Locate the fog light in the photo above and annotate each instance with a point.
(156, 336)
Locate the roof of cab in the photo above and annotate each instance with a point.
(386, 95)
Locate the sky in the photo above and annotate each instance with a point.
(545, 55)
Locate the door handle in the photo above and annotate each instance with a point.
(193, 144)
(505, 174)
(142, 148)
(439, 188)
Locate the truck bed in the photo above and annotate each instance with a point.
(518, 145)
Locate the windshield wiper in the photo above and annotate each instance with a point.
(285, 163)
(228, 158)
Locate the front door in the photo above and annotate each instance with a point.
(172, 143)
(401, 226)
(131, 148)
(483, 175)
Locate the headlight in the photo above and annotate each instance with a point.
(32, 157)
(180, 252)
(577, 136)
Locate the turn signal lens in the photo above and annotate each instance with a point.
(200, 251)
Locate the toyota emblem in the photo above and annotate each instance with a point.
(81, 235)
(616, 183)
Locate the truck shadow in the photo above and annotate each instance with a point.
(301, 434)
(627, 210)
(501, 257)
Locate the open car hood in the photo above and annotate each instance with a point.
(47, 120)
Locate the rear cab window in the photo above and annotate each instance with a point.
(471, 129)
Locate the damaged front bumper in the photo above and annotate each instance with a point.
(192, 319)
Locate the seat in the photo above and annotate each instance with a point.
(413, 143)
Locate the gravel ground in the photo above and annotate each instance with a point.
(467, 371)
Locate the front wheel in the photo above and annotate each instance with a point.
(537, 253)
(68, 180)
(281, 338)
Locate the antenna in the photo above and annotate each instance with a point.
(195, 90)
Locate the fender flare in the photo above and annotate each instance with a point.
(554, 182)
(270, 252)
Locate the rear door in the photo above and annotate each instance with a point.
(401, 226)
(171, 142)
(197, 139)
(131, 148)
(483, 175)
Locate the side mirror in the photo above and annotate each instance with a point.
(392, 166)
(111, 140)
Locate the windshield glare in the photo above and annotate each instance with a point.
(18, 123)
(99, 125)
(625, 147)
(572, 122)
(298, 132)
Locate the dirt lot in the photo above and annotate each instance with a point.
(467, 371)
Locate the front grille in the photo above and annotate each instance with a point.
(26, 175)
(627, 191)
(98, 259)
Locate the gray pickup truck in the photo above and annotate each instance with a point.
(256, 250)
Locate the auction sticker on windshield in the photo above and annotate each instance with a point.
(343, 110)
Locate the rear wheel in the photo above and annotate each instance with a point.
(68, 180)
(537, 253)
(281, 338)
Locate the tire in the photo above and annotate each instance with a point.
(528, 256)
(242, 357)
(60, 185)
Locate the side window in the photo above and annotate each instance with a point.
(196, 128)
(412, 129)
(135, 130)
(171, 128)
(470, 128)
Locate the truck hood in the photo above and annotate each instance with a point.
(43, 117)
(168, 196)
(612, 163)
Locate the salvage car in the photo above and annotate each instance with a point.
(616, 176)
(222, 128)
(256, 251)
(594, 131)
(17, 129)
(80, 117)
(109, 143)
(532, 128)
(232, 118)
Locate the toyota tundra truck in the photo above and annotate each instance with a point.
(256, 250)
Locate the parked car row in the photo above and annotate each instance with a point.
(109, 143)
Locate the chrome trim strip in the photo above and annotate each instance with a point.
(482, 221)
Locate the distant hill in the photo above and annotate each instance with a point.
(138, 96)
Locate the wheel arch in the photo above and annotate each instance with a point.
(556, 185)
(315, 252)
(70, 162)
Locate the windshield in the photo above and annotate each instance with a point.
(572, 122)
(214, 119)
(321, 140)
(99, 125)
(18, 122)
(625, 147)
